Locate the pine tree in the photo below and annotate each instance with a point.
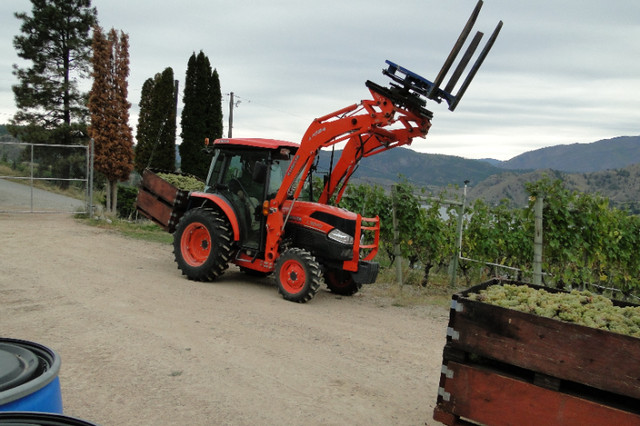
(109, 108)
(55, 39)
(156, 133)
(202, 114)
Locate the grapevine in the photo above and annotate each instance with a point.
(184, 182)
(579, 307)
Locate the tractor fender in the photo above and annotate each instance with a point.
(223, 205)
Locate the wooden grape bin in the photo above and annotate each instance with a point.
(505, 367)
(159, 200)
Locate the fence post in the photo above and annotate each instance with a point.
(90, 183)
(31, 176)
(396, 244)
(453, 273)
(537, 241)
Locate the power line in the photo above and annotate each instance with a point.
(262, 105)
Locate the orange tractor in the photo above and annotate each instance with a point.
(258, 210)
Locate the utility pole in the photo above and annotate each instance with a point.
(230, 114)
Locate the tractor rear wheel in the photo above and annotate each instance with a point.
(298, 275)
(341, 282)
(202, 244)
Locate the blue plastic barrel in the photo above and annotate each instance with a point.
(29, 377)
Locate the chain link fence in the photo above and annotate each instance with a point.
(45, 178)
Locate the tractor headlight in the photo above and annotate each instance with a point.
(341, 237)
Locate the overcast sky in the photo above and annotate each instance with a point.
(561, 71)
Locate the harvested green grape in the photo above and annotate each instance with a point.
(186, 183)
(579, 307)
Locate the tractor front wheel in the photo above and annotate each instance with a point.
(298, 275)
(202, 244)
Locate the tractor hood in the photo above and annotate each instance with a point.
(321, 217)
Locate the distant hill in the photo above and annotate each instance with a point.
(435, 170)
(620, 186)
(609, 167)
(605, 154)
(492, 161)
(423, 170)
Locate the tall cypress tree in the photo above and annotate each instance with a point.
(156, 133)
(201, 115)
(144, 132)
(109, 108)
(55, 39)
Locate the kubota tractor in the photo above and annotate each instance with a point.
(258, 210)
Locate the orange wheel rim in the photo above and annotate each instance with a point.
(195, 244)
(292, 276)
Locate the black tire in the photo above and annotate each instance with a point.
(253, 272)
(202, 244)
(298, 275)
(341, 282)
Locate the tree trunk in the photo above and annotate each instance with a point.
(107, 196)
(67, 90)
(112, 198)
(425, 277)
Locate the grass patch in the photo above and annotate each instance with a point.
(145, 230)
(437, 293)
(410, 295)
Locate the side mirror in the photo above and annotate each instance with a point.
(260, 172)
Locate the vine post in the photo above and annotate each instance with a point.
(396, 238)
(537, 240)
(454, 261)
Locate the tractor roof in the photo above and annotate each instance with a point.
(256, 142)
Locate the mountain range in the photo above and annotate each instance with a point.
(605, 154)
(609, 167)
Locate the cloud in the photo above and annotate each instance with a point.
(562, 71)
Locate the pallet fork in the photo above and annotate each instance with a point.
(413, 86)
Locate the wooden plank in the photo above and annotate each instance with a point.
(160, 187)
(153, 208)
(488, 397)
(585, 355)
(444, 416)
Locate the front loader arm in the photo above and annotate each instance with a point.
(375, 140)
(363, 127)
(394, 117)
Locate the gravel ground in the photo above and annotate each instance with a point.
(140, 344)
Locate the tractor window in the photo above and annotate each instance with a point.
(278, 169)
(238, 176)
(225, 166)
(234, 169)
(214, 171)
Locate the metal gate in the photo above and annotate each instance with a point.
(46, 178)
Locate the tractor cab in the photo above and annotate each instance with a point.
(246, 172)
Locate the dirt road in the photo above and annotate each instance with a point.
(21, 197)
(140, 344)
